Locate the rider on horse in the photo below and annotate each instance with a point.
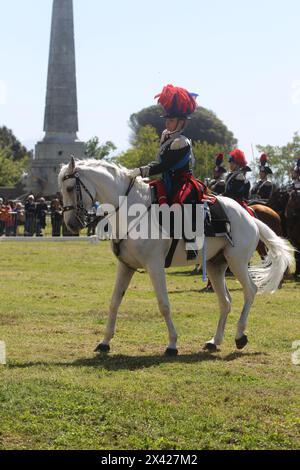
(175, 157)
(236, 184)
(264, 188)
(217, 185)
(295, 185)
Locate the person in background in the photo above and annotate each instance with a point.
(56, 217)
(2, 222)
(7, 218)
(11, 225)
(295, 185)
(264, 188)
(20, 216)
(29, 216)
(217, 185)
(40, 214)
(91, 217)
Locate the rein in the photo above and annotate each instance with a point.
(81, 212)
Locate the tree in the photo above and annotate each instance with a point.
(144, 149)
(205, 158)
(204, 126)
(14, 158)
(281, 159)
(10, 170)
(99, 151)
(12, 144)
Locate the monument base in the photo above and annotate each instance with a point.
(45, 167)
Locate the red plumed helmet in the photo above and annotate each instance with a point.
(238, 157)
(219, 159)
(177, 102)
(263, 159)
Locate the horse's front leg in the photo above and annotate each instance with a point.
(124, 276)
(158, 279)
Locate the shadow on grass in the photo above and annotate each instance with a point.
(131, 363)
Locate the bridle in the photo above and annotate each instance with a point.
(81, 212)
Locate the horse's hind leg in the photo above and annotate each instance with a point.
(240, 270)
(124, 276)
(216, 273)
(158, 279)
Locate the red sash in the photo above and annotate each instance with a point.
(188, 184)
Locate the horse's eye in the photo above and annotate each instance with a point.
(70, 189)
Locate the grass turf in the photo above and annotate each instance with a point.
(55, 393)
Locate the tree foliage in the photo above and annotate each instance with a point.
(14, 158)
(14, 147)
(144, 149)
(204, 126)
(205, 158)
(10, 170)
(281, 159)
(99, 151)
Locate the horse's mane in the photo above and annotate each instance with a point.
(94, 163)
(118, 171)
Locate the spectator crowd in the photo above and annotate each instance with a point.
(31, 218)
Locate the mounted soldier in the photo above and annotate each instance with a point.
(236, 184)
(264, 188)
(175, 158)
(217, 185)
(295, 185)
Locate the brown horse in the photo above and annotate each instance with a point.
(271, 219)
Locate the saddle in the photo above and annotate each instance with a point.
(216, 222)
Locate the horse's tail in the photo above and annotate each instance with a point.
(269, 274)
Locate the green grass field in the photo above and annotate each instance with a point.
(55, 393)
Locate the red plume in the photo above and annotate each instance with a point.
(239, 157)
(177, 101)
(263, 159)
(219, 159)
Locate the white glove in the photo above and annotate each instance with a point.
(135, 172)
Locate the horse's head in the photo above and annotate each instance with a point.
(78, 195)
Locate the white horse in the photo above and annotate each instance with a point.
(83, 182)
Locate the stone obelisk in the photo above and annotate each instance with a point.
(61, 115)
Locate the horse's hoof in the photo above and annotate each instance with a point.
(171, 352)
(102, 348)
(210, 347)
(241, 342)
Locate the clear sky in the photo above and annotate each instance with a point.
(242, 57)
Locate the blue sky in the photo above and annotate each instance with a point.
(241, 57)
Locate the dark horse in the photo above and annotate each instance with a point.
(287, 204)
(292, 215)
(278, 203)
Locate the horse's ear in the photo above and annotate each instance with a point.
(72, 164)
